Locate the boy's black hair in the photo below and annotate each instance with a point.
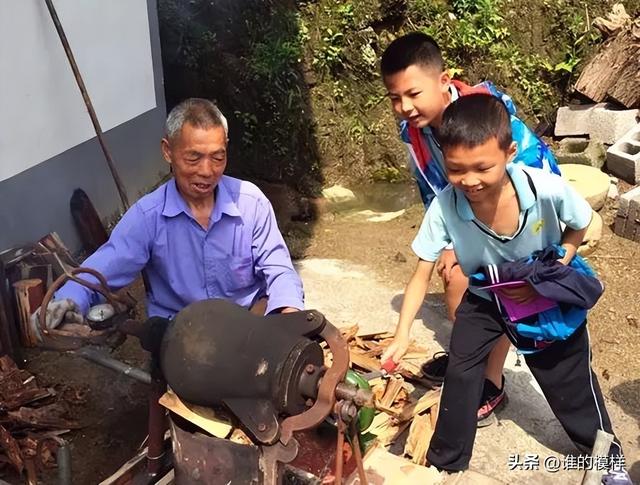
(474, 119)
(414, 48)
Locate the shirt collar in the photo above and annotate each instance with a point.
(454, 92)
(520, 180)
(175, 204)
(224, 202)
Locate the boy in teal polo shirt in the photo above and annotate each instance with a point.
(420, 89)
(495, 212)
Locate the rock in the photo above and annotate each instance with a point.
(591, 183)
(627, 221)
(623, 158)
(594, 231)
(613, 192)
(587, 248)
(573, 120)
(372, 216)
(338, 195)
(385, 216)
(593, 235)
(602, 121)
(582, 152)
(608, 125)
(400, 258)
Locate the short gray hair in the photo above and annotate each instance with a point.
(196, 111)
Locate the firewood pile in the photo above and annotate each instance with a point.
(33, 419)
(27, 272)
(401, 401)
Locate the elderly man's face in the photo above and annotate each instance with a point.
(198, 157)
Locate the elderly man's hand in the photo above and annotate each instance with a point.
(57, 311)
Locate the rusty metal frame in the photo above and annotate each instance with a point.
(326, 392)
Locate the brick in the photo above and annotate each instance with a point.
(573, 120)
(608, 125)
(623, 157)
(627, 221)
(602, 121)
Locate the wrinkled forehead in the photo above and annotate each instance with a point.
(201, 138)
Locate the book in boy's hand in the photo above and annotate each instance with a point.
(518, 311)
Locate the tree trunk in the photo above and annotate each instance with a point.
(614, 72)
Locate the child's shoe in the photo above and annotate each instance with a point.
(617, 477)
(492, 398)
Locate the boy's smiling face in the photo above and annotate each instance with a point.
(419, 94)
(480, 171)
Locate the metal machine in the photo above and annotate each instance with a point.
(268, 372)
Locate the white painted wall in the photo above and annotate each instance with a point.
(42, 113)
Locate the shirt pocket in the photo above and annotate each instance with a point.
(238, 272)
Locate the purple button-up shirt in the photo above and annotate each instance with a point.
(241, 257)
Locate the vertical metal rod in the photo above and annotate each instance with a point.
(157, 427)
(355, 444)
(339, 452)
(64, 463)
(87, 102)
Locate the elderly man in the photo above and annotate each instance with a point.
(201, 235)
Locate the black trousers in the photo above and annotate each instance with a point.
(562, 370)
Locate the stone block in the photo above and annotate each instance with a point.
(608, 125)
(623, 158)
(591, 183)
(602, 121)
(582, 152)
(573, 120)
(627, 222)
(338, 195)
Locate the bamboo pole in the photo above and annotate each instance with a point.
(87, 102)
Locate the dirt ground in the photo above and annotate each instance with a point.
(384, 248)
(113, 407)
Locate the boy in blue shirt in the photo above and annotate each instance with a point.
(420, 89)
(494, 211)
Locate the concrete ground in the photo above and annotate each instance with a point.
(347, 293)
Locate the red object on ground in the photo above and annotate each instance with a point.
(389, 366)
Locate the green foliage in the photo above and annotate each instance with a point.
(478, 32)
(387, 174)
(579, 37)
(276, 52)
(301, 78)
(330, 54)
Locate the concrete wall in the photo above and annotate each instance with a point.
(129, 98)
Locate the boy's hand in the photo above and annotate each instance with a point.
(446, 261)
(520, 294)
(396, 350)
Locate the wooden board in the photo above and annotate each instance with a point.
(202, 417)
(420, 434)
(384, 468)
(429, 399)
